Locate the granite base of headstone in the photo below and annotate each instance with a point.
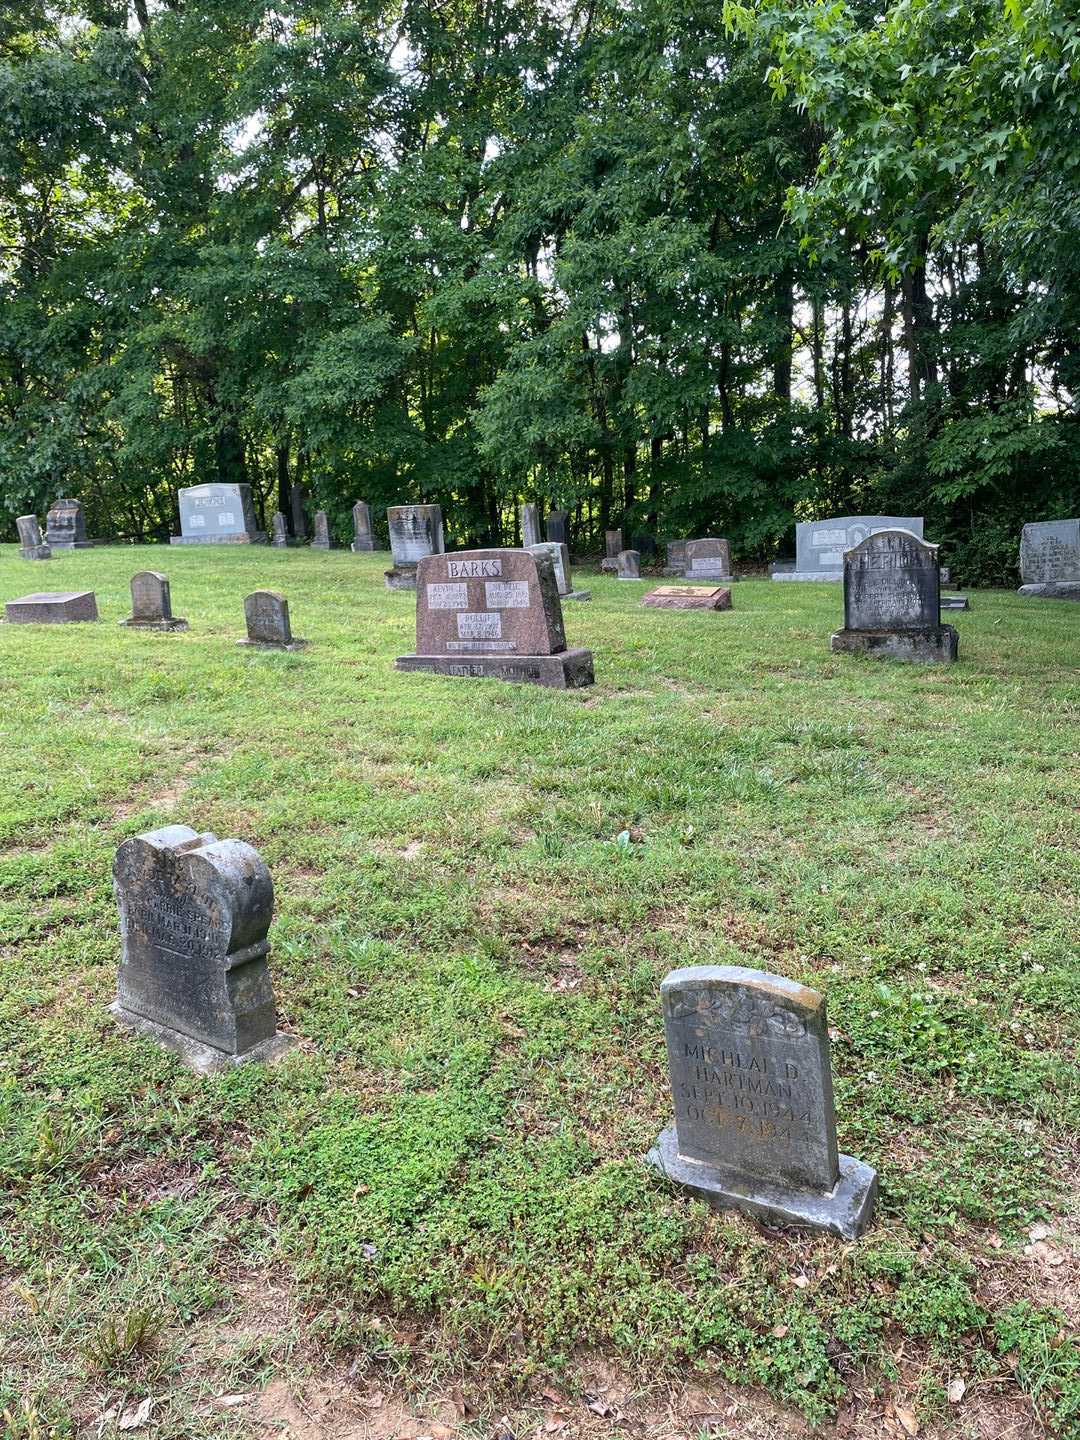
(755, 1129)
(708, 559)
(65, 526)
(321, 538)
(416, 531)
(217, 514)
(687, 597)
(31, 545)
(267, 615)
(820, 545)
(194, 914)
(892, 595)
(151, 603)
(494, 614)
(363, 541)
(559, 556)
(557, 527)
(628, 565)
(1050, 560)
(52, 607)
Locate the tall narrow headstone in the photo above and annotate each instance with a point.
(892, 597)
(296, 507)
(820, 545)
(559, 556)
(530, 525)
(363, 537)
(321, 539)
(31, 545)
(613, 548)
(748, 1059)
(1050, 560)
(267, 615)
(708, 559)
(217, 514)
(65, 526)
(280, 531)
(415, 532)
(151, 603)
(629, 563)
(194, 913)
(557, 527)
(493, 613)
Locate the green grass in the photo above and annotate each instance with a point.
(446, 1176)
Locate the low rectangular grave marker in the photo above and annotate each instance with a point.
(52, 607)
(688, 597)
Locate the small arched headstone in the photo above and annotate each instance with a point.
(629, 563)
(267, 616)
(151, 603)
(363, 539)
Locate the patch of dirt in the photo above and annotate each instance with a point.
(1047, 1268)
(164, 799)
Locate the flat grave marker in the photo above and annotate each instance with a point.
(52, 607)
(688, 597)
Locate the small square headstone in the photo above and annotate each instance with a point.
(321, 539)
(151, 603)
(559, 556)
(415, 532)
(629, 565)
(708, 559)
(31, 545)
(1050, 560)
(530, 525)
(194, 913)
(217, 514)
(65, 526)
(267, 616)
(557, 527)
(748, 1059)
(280, 531)
(493, 613)
(892, 598)
(688, 597)
(363, 537)
(52, 607)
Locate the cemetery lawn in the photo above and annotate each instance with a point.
(438, 1199)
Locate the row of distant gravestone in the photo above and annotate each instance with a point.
(748, 1052)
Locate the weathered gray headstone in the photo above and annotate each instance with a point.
(559, 556)
(493, 613)
(892, 596)
(267, 615)
(415, 532)
(194, 912)
(151, 603)
(820, 545)
(675, 557)
(530, 525)
(52, 607)
(748, 1058)
(65, 526)
(31, 545)
(557, 527)
(708, 559)
(296, 506)
(280, 531)
(613, 548)
(217, 514)
(1050, 560)
(363, 536)
(629, 565)
(687, 597)
(321, 539)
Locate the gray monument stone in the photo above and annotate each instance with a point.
(296, 506)
(708, 559)
(267, 616)
(416, 531)
(279, 531)
(820, 545)
(363, 539)
(629, 564)
(1050, 560)
(675, 561)
(557, 527)
(955, 602)
(194, 913)
(321, 539)
(52, 607)
(748, 1058)
(493, 613)
(613, 548)
(217, 514)
(559, 556)
(65, 526)
(530, 525)
(151, 603)
(892, 600)
(31, 545)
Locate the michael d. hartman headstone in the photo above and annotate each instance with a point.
(820, 545)
(1050, 560)
(708, 559)
(363, 539)
(31, 545)
(217, 514)
(151, 603)
(194, 912)
(748, 1059)
(688, 597)
(559, 556)
(415, 531)
(493, 613)
(267, 616)
(321, 538)
(892, 595)
(52, 607)
(65, 526)
(629, 564)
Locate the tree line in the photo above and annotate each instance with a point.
(688, 269)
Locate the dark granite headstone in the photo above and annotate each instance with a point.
(557, 527)
(559, 556)
(748, 1057)
(820, 545)
(687, 597)
(267, 616)
(892, 600)
(363, 536)
(629, 565)
(279, 531)
(52, 607)
(530, 525)
(194, 912)
(1050, 560)
(321, 539)
(493, 613)
(415, 532)
(151, 603)
(217, 514)
(31, 545)
(296, 506)
(708, 559)
(675, 557)
(65, 526)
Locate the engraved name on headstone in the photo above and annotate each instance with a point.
(1050, 559)
(217, 514)
(31, 545)
(892, 595)
(194, 913)
(267, 615)
(708, 559)
(820, 545)
(748, 1057)
(151, 603)
(65, 526)
(321, 539)
(415, 532)
(493, 613)
(363, 537)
